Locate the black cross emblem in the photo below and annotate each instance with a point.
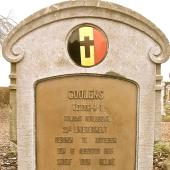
(87, 43)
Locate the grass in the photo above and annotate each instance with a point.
(166, 118)
(160, 156)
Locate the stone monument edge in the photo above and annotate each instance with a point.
(107, 75)
(14, 54)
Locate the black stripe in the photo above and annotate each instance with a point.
(74, 47)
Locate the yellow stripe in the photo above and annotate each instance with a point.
(86, 31)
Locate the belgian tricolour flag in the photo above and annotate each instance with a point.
(87, 46)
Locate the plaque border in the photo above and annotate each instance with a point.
(107, 75)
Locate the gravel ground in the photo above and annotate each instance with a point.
(8, 157)
(165, 129)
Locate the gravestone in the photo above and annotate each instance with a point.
(86, 87)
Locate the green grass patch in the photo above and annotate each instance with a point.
(166, 118)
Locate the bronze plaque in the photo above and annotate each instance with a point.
(86, 122)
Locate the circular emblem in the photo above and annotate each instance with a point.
(87, 46)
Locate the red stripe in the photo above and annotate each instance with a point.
(100, 46)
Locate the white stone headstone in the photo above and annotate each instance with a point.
(38, 51)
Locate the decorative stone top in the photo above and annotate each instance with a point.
(158, 54)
